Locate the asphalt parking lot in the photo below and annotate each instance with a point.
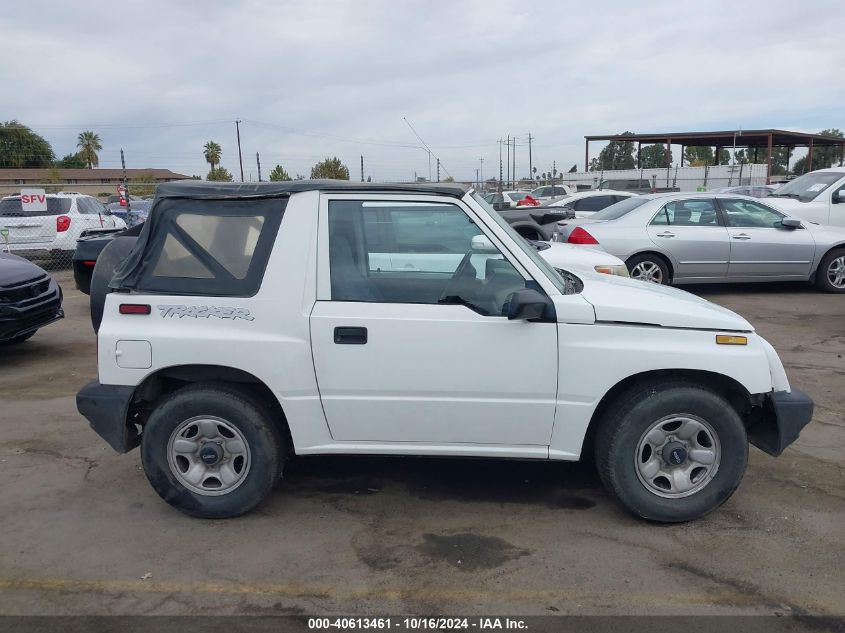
(83, 532)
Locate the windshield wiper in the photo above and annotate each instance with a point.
(785, 195)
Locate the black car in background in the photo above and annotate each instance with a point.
(29, 299)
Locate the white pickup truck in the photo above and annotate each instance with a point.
(251, 322)
(817, 196)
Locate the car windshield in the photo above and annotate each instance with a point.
(525, 245)
(516, 196)
(619, 209)
(808, 186)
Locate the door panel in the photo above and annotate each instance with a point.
(690, 231)
(439, 363)
(435, 373)
(761, 246)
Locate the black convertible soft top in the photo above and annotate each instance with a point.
(188, 243)
(199, 189)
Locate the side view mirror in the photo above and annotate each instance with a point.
(791, 223)
(530, 305)
(840, 196)
(482, 244)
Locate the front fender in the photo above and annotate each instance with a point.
(595, 358)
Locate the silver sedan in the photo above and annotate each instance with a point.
(680, 238)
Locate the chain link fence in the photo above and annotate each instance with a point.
(48, 236)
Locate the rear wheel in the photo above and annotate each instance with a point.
(830, 275)
(648, 267)
(671, 452)
(211, 451)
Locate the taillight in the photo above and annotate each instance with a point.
(135, 308)
(62, 223)
(580, 236)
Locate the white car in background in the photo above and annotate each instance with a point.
(547, 192)
(505, 199)
(585, 203)
(56, 230)
(818, 196)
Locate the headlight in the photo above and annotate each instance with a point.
(620, 270)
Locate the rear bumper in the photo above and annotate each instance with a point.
(784, 414)
(107, 409)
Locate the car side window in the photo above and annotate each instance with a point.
(409, 252)
(695, 212)
(748, 214)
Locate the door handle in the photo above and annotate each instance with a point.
(350, 335)
(666, 234)
(741, 236)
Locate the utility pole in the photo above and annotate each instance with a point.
(513, 173)
(509, 161)
(476, 179)
(530, 159)
(362, 168)
(125, 182)
(481, 171)
(500, 165)
(438, 170)
(258, 162)
(240, 157)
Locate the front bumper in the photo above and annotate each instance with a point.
(107, 409)
(23, 316)
(781, 418)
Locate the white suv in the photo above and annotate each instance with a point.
(56, 230)
(254, 321)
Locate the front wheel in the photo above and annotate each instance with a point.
(211, 451)
(830, 275)
(671, 452)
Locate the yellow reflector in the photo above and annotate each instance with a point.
(727, 339)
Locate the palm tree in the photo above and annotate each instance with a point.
(89, 144)
(212, 154)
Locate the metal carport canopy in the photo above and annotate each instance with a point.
(755, 139)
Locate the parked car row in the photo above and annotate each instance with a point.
(705, 238)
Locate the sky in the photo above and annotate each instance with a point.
(324, 78)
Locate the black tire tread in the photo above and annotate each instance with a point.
(245, 400)
(610, 429)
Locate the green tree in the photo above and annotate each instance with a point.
(652, 156)
(20, 147)
(212, 153)
(448, 179)
(617, 154)
(279, 174)
(573, 169)
(330, 168)
(698, 156)
(89, 144)
(54, 181)
(220, 174)
(822, 156)
(143, 185)
(72, 161)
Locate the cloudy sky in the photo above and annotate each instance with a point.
(323, 78)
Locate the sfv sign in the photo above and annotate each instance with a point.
(33, 200)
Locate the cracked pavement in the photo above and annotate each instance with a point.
(83, 532)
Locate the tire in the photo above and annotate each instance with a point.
(199, 411)
(107, 262)
(830, 275)
(624, 456)
(18, 339)
(649, 267)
